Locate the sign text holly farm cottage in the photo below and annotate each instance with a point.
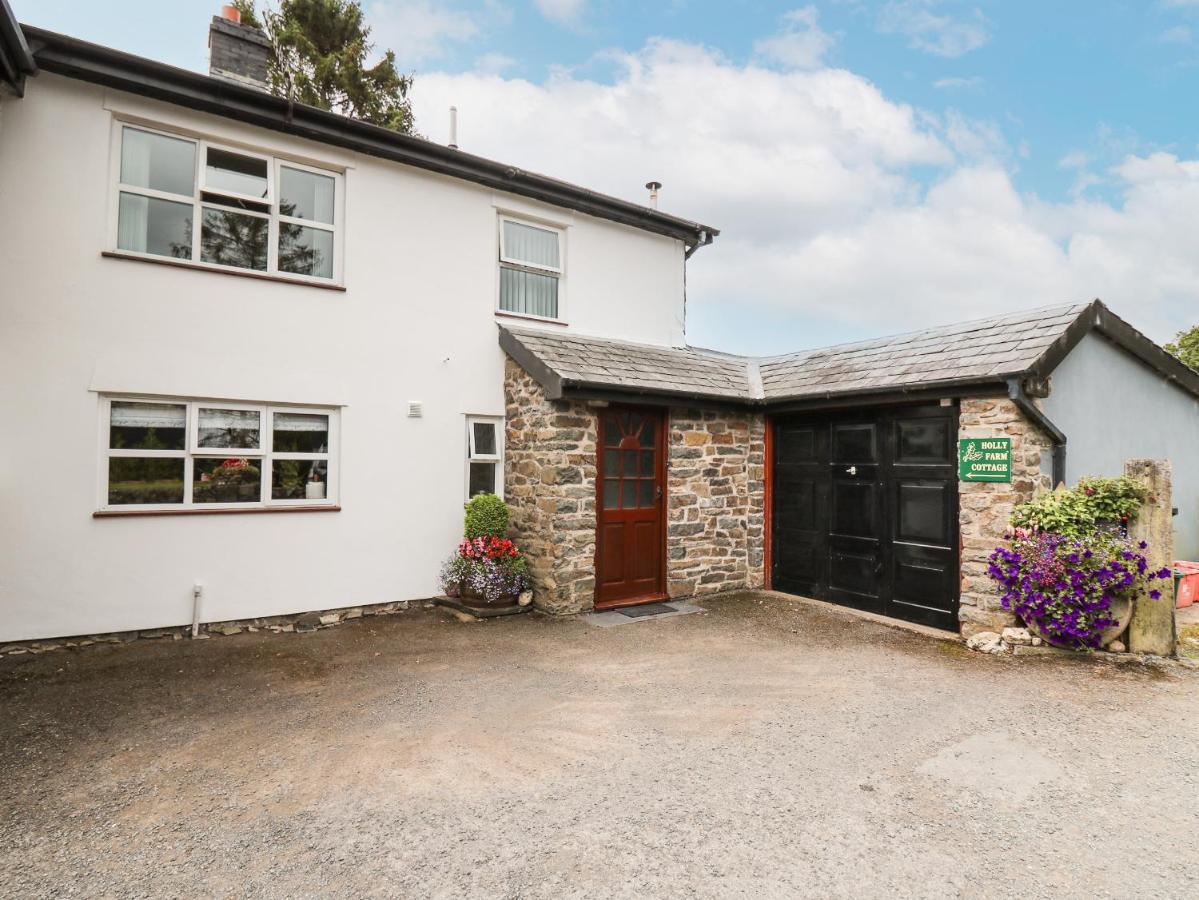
(985, 459)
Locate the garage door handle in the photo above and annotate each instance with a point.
(852, 470)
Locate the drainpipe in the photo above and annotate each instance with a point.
(1019, 396)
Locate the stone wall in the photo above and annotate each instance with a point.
(717, 501)
(985, 508)
(715, 496)
(549, 483)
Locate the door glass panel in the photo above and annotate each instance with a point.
(853, 509)
(923, 440)
(628, 495)
(922, 513)
(611, 463)
(647, 462)
(611, 495)
(630, 464)
(854, 443)
(648, 429)
(611, 432)
(646, 500)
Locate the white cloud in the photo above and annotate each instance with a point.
(1179, 34)
(801, 44)
(417, 30)
(564, 12)
(957, 82)
(818, 182)
(494, 63)
(938, 33)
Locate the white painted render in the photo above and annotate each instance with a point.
(416, 322)
(1112, 407)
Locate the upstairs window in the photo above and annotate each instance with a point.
(530, 269)
(191, 200)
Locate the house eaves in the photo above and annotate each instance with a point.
(74, 58)
(983, 357)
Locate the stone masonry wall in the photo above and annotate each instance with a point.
(717, 501)
(715, 496)
(549, 482)
(985, 508)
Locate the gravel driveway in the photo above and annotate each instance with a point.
(768, 747)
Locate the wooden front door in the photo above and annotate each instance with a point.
(630, 552)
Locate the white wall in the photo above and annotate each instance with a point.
(1112, 407)
(416, 323)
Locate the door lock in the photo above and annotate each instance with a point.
(852, 470)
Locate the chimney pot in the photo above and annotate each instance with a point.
(231, 12)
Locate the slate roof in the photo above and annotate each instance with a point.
(986, 352)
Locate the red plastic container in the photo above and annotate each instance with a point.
(1188, 585)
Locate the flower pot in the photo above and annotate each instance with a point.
(314, 490)
(471, 597)
(1121, 611)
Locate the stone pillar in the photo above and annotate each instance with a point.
(1152, 627)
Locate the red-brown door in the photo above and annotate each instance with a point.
(630, 550)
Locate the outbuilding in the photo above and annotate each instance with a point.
(877, 475)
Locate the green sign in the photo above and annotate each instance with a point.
(985, 459)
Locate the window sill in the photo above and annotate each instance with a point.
(237, 273)
(223, 510)
(530, 318)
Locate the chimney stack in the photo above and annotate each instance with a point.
(237, 52)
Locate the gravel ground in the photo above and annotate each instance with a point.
(766, 747)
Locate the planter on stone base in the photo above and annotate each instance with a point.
(1121, 611)
(472, 598)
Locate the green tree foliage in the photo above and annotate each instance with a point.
(486, 516)
(320, 59)
(1187, 347)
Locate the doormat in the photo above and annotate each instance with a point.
(646, 609)
(650, 612)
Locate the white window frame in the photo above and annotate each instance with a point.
(497, 458)
(264, 456)
(199, 204)
(508, 262)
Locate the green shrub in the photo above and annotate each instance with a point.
(486, 516)
(1077, 512)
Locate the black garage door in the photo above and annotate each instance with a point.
(866, 511)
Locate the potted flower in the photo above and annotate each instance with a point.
(488, 569)
(1071, 573)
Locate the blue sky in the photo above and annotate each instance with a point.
(874, 166)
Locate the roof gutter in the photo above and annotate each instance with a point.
(1019, 395)
(74, 58)
(15, 59)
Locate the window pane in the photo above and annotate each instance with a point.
(305, 251)
(647, 494)
(647, 462)
(299, 479)
(628, 494)
(233, 239)
(138, 480)
(300, 433)
(611, 495)
(231, 428)
(482, 478)
(531, 245)
(158, 162)
(305, 195)
(225, 171)
(528, 292)
(611, 463)
(147, 426)
(161, 227)
(630, 463)
(235, 480)
(484, 433)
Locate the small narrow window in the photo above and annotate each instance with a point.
(530, 269)
(484, 456)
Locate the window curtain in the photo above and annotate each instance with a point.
(528, 293)
(148, 415)
(531, 245)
